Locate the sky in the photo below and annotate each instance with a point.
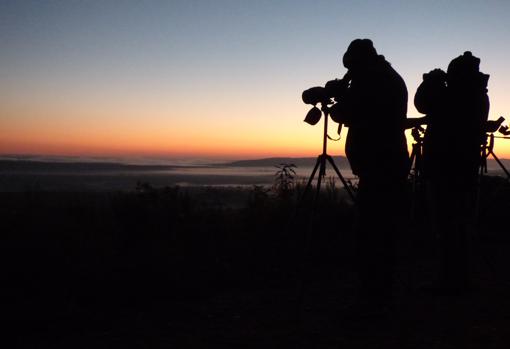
(215, 79)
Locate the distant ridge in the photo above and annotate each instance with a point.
(341, 161)
(44, 166)
(35, 166)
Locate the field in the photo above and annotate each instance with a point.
(200, 267)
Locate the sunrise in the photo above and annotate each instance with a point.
(255, 174)
(199, 79)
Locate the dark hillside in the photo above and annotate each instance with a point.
(204, 267)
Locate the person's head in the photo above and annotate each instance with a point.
(359, 53)
(464, 71)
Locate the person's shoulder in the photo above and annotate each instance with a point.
(385, 68)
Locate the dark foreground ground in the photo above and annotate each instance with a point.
(222, 267)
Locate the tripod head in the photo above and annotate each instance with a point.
(315, 114)
(418, 132)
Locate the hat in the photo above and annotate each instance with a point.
(466, 64)
(359, 50)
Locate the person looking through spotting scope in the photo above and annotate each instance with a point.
(374, 108)
(455, 101)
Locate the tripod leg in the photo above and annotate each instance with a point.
(483, 167)
(342, 179)
(411, 159)
(418, 165)
(309, 184)
(413, 164)
(413, 168)
(482, 171)
(322, 172)
(500, 164)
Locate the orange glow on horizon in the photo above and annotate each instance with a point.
(206, 147)
(128, 129)
(213, 149)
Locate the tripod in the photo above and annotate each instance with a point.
(416, 158)
(322, 159)
(416, 165)
(487, 150)
(320, 167)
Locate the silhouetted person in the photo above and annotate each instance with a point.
(457, 106)
(430, 99)
(374, 108)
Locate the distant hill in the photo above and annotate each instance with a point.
(44, 166)
(340, 161)
(31, 166)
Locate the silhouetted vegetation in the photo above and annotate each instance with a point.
(284, 180)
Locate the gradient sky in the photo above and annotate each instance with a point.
(218, 79)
